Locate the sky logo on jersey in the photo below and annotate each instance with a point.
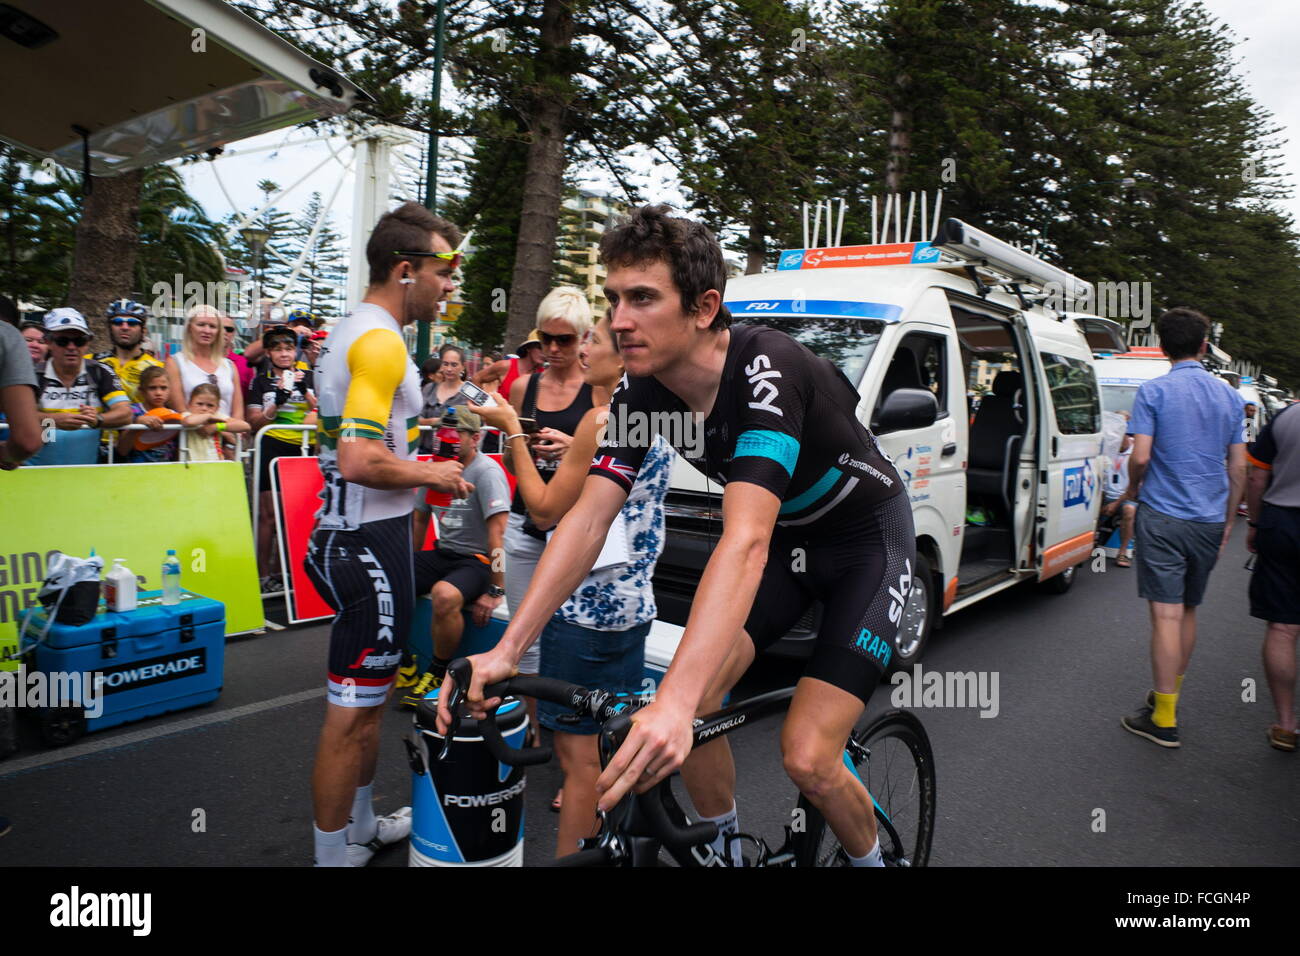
(1080, 485)
(759, 371)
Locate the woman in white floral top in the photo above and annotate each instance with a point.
(597, 638)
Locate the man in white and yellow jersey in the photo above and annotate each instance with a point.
(360, 558)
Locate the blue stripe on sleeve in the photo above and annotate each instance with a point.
(810, 497)
(778, 446)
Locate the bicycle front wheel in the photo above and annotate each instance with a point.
(893, 759)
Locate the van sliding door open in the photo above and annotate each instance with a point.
(1069, 475)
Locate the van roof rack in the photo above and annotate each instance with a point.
(951, 244)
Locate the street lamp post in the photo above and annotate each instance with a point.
(256, 238)
(431, 175)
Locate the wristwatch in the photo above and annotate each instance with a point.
(496, 592)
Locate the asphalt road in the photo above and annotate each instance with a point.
(1023, 788)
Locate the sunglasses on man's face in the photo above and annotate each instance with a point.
(563, 341)
(66, 341)
(126, 320)
(230, 330)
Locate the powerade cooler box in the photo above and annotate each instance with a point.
(148, 661)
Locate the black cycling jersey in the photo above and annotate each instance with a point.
(784, 419)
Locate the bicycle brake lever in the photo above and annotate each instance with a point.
(462, 672)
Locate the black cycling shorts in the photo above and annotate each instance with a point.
(862, 574)
(470, 574)
(367, 576)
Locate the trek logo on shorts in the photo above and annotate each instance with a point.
(384, 593)
(764, 390)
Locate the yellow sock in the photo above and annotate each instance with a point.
(1163, 716)
(1178, 684)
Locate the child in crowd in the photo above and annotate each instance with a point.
(156, 444)
(203, 443)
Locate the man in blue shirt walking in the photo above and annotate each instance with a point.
(1186, 425)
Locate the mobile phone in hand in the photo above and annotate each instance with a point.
(529, 425)
(472, 393)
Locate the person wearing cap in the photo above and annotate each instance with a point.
(128, 358)
(281, 394)
(460, 573)
(302, 322)
(499, 376)
(79, 396)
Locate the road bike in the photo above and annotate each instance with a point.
(891, 755)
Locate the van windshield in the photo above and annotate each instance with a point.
(848, 343)
(1118, 398)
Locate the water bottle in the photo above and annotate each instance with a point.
(171, 578)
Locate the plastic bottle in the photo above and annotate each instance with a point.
(119, 587)
(171, 578)
(446, 448)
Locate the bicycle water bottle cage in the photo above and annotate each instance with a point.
(764, 852)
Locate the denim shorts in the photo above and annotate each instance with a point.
(1174, 556)
(609, 660)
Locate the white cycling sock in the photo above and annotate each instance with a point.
(727, 824)
(362, 825)
(873, 857)
(331, 848)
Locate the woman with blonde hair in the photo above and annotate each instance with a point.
(202, 360)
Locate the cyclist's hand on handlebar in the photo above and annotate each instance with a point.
(489, 668)
(657, 744)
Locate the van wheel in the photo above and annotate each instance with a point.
(1060, 583)
(61, 726)
(918, 619)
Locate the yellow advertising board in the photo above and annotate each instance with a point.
(134, 512)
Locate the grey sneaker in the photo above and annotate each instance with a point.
(1142, 725)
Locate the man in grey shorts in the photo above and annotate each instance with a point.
(1185, 424)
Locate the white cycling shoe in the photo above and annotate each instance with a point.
(392, 828)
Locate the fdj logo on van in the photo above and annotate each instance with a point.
(1080, 485)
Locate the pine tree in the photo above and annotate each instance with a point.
(325, 268)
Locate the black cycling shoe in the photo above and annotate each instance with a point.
(1142, 725)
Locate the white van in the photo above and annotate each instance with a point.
(916, 326)
(1120, 375)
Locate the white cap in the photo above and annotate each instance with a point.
(64, 319)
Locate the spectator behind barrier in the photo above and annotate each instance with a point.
(202, 359)
(18, 395)
(34, 336)
(204, 441)
(281, 394)
(440, 391)
(152, 411)
(129, 355)
(80, 397)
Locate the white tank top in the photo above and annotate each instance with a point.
(369, 390)
(192, 376)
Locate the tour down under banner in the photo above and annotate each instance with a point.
(135, 512)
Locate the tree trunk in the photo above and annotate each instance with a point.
(900, 151)
(108, 235)
(543, 177)
(756, 247)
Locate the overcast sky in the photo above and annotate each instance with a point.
(1268, 41)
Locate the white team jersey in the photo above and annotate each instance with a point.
(369, 390)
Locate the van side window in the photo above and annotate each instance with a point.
(920, 361)
(1073, 387)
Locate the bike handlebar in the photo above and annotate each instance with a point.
(610, 710)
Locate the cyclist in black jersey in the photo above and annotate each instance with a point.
(812, 509)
